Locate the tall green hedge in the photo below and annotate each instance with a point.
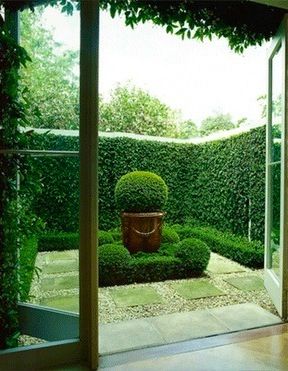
(221, 183)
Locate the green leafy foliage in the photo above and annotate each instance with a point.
(169, 235)
(141, 191)
(194, 255)
(216, 123)
(17, 221)
(114, 262)
(242, 23)
(104, 238)
(116, 234)
(237, 248)
(133, 110)
(58, 241)
(155, 267)
(220, 183)
(117, 266)
(53, 85)
(188, 129)
(27, 258)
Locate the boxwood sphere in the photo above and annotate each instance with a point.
(194, 255)
(141, 191)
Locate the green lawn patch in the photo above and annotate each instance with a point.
(196, 289)
(129, 297)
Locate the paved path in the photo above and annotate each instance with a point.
(144, 315)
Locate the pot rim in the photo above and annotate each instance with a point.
(144, 215)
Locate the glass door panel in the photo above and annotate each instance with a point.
(276, 159)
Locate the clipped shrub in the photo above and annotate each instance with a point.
(104, 237)
(114, 267)
(154, 267)
(169, 235)
(58, 241)
(185, 231)
(168, 249)
(194, 255)
(141, 191)
(116, 234)
(27, 258)
(239, 249)
(221, 183)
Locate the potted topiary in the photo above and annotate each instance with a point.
(141, 196)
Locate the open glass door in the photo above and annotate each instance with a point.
(276, 238)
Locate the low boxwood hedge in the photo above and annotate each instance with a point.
(60, 241)
(155, 267)
(237, 248)
(57, 241)
(117, 266)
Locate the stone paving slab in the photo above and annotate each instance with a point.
(196, 289)
(60, 283)
(59, 255)
(247, 283)
(243, 316)
(170, 328)
(60, 266)
(220, 265)
(69, 303)
(187, 325)
(127, 297)
(134, 334)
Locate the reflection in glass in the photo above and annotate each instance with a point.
(275, 216)
(276, 106)
(58, 207)
(53, 186)
(275, 164)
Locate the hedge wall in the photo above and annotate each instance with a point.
(221, 183)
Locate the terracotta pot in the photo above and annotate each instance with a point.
(142, 231)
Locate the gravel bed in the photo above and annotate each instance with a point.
(173, 303)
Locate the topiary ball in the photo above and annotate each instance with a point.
(194, 255)
(141, 191)
(169, 235)
(113, 264)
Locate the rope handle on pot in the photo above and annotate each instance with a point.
(146, 234)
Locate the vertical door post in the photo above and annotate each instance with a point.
(89, 51)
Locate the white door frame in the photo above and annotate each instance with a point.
(276, 284)
(84, 349)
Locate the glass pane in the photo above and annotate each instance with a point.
(277, 105)
(275, 199)
(58, 207)
(51, 273)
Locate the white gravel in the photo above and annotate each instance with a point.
(173, 303)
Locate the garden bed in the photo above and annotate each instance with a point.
(166, 296)
(184, 253)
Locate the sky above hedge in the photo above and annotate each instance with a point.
(200, 79)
